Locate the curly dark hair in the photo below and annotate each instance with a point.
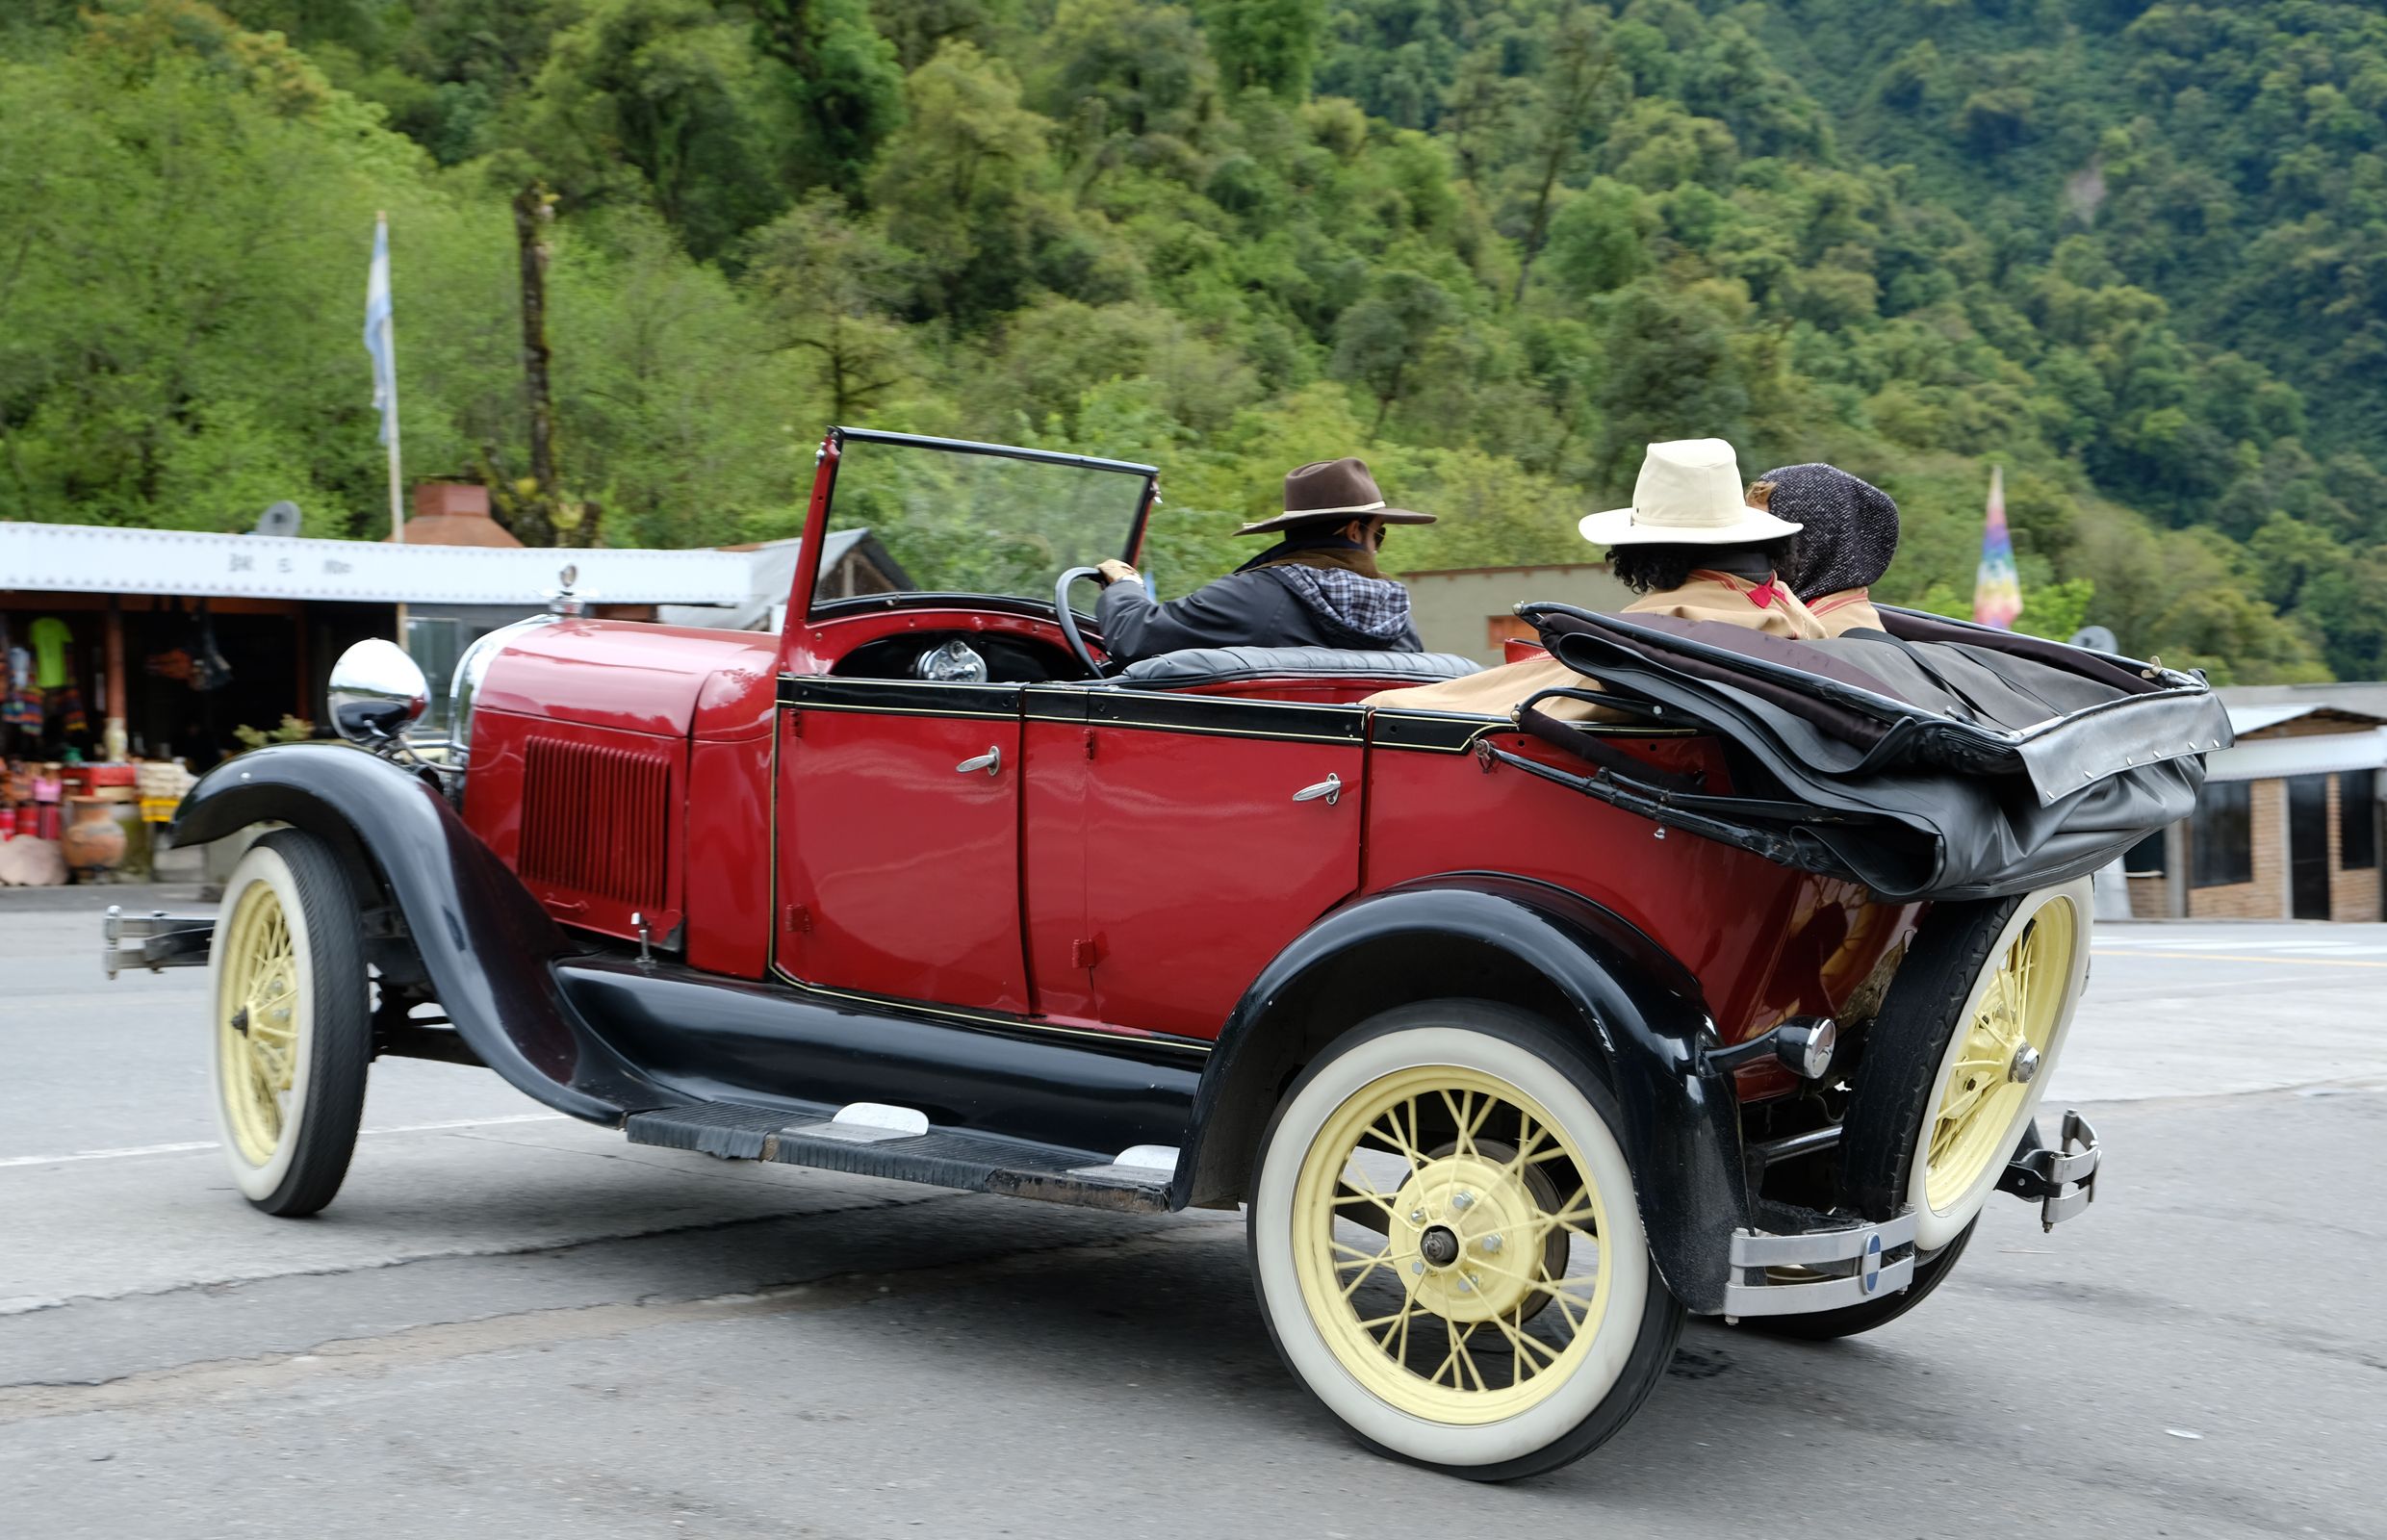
(1655, 569)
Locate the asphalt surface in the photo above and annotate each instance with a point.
(514, 1325)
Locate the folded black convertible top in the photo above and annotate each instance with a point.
(1932, 760)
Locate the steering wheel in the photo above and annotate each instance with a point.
(1068, 620)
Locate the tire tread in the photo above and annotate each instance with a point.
(341, 1028)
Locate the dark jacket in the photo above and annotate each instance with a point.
(1297, 594)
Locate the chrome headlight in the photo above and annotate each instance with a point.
(471, 669)
(376, 693)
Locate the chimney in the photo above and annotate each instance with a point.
(453, 513)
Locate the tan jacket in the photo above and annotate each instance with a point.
(1769, 607)
(1848, 610)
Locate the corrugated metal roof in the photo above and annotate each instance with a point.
(106, 559)
(2246, 719)
(2314, 754)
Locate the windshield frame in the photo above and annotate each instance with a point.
(824, 501)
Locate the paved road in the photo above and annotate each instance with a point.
(513, 1326)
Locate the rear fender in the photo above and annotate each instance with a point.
(1526, 944)
(485, 945)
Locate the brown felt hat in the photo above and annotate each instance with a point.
(1340, 490)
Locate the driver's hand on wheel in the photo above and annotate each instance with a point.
(1115, 572)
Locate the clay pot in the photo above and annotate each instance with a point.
(94, 842)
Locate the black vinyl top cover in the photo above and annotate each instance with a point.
(1934, 760)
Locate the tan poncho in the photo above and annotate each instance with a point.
(1768, 607)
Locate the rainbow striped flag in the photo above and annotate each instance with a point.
(1996, 587)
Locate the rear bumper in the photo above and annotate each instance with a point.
(1819, 1269)
(154, 941)
(1839, 1263)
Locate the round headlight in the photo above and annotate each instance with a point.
(377, 692)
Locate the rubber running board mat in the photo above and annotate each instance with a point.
(942, 1157)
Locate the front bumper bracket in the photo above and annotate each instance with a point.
(2062, 1181)
(1819, 1269)
(154, 941)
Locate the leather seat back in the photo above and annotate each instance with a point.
(1196, 666)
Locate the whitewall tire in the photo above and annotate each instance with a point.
(290, 1033)
(1448, 1247)
(1957, 1062)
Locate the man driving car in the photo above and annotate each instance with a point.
(1318, 586)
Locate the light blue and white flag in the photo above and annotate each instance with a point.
(377, 339)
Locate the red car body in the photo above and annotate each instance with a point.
(1128, 871)
(921, 887)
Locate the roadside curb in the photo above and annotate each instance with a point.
(93, 898)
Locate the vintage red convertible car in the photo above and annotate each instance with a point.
(1519, 1039)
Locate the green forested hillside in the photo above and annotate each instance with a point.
(2136, 254)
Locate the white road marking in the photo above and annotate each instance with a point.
(2158, 944)
(185, 1148)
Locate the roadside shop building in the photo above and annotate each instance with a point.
(2290, 820)
(179, 637)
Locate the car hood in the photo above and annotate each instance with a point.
(669, 680)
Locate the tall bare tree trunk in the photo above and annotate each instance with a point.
(539, 515)
(532, 209)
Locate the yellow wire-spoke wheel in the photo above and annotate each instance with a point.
(1448, 1244)
(256, 1025)
(291, 1034)
(2006, 1038)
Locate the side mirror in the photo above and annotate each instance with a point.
(376, 693)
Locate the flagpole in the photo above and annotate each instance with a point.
(397, 498)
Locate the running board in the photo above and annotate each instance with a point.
(867, 1139)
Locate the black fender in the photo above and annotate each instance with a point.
(1526, 943)
(486, 945)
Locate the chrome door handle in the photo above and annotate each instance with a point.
(990, 761)
(1330, 788)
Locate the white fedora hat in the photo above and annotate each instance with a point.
(1688, 494)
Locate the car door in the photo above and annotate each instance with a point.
(898, 829)
(1209, 832)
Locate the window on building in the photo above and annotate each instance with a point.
(2358, 820)
(2220, 835)
(2145, 858)
(435, 642)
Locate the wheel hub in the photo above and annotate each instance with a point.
(1459, 1214)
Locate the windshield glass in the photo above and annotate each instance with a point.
(916, 518)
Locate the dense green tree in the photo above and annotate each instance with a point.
(960, 183)
(661, 100)
(848, 84)
(2133, 253)
(1269, 46)
(1382, 341)
(1668, 370)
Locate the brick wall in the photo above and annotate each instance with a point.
(2266, 898)
(2352, 895)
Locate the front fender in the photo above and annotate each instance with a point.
(486, 945)
(1527, 943)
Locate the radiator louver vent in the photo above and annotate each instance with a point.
(594, 819)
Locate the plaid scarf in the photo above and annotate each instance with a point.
(1376, 608)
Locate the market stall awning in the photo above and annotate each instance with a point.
(103, 560)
